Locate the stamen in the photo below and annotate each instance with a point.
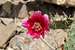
(37, 27)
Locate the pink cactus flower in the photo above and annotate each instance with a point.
(37, 24)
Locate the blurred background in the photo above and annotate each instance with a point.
(62, 30)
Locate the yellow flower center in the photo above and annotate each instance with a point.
(36, 27)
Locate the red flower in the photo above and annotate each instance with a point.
(37, 24)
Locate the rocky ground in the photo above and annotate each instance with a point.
(13, 36)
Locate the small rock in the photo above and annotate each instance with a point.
(31, 12)
(20, 42)
(7, 20)
(56, 37)
(2, 1)
(7, 7)
(59, 2)
(35, 45)
(71, 2)
(1, 49)
(62, 2)
(8, 48)
(23, 12)
(3, 13)
(6, 32)
(15, 9)
(16, 2)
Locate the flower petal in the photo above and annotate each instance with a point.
(25, 23)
